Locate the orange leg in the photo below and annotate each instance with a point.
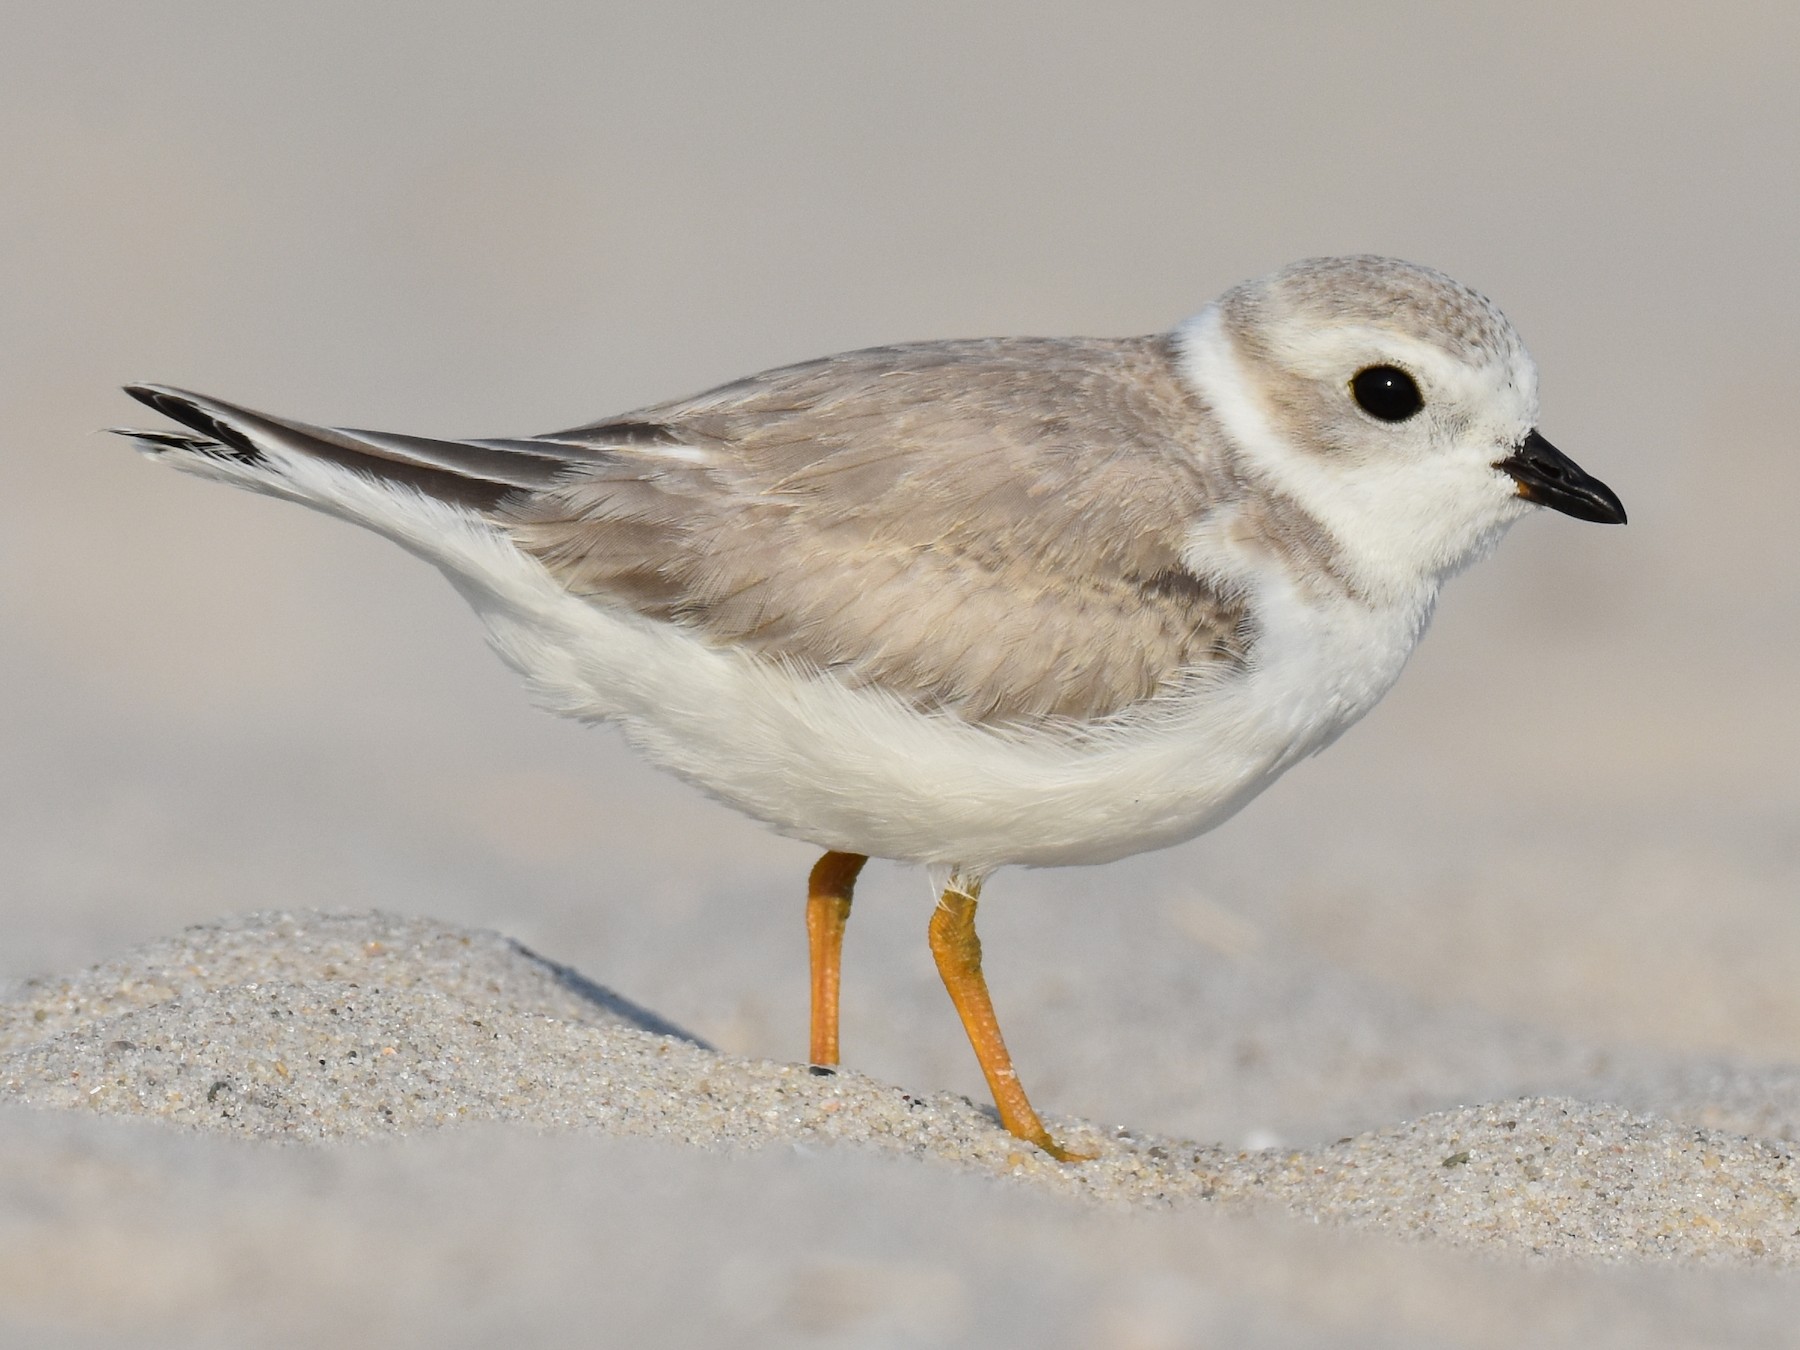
(827, 911)
(958, 953)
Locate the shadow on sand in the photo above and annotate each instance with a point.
(633, 1014)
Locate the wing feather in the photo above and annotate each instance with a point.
(991, 528)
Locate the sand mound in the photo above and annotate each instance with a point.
(320, 1027)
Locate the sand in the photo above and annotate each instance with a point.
(467, 1104)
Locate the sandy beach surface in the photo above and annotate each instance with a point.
(346, 1001)
(483, 1143)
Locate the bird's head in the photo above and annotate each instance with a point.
(1393, 404)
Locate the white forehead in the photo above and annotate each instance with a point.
(1326, 318)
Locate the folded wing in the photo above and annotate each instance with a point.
(992, 529)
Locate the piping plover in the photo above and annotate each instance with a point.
(971, 603)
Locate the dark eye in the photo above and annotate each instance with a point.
(1386, 392)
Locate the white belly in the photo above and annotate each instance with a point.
(859, 771)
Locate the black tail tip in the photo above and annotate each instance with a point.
(155, 442)
(180, 408)
(165, 402)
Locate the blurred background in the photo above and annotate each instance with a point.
(1575, 815)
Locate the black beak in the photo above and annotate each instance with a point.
(1547, 476)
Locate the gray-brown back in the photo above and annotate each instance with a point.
(988, 527)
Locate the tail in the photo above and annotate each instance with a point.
(283, 458)
(440, 500)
